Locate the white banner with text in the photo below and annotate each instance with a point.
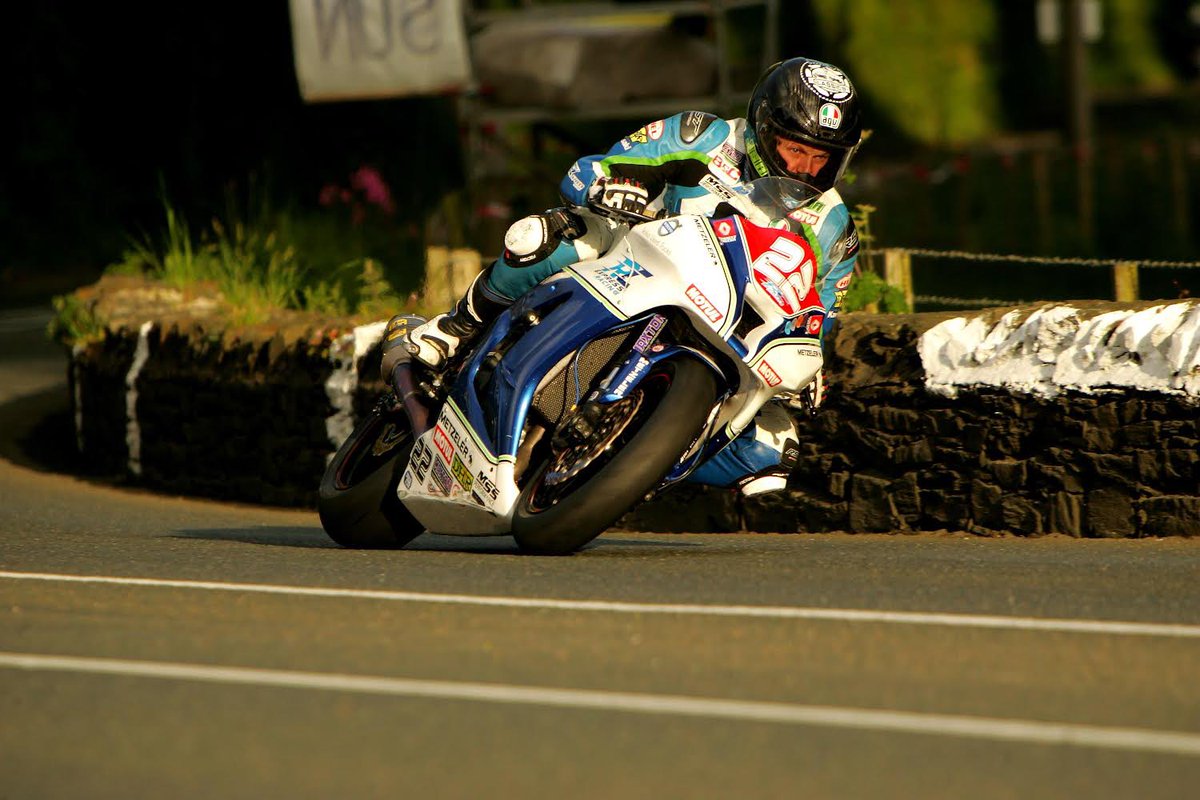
(364, 49)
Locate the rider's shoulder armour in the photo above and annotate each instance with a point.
(694, 123)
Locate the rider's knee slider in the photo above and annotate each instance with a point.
(532, 239)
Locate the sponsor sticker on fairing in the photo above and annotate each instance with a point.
(441, 477)
(616, 278)
(485, 484)
(442, 442)
(703, 303)
(814, 322)
(653, 328)
(711, 184)
(461, 473)
(769, 375)
(632, 377)
(725, 229)
(422, 457)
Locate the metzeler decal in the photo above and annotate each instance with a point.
(449, 423)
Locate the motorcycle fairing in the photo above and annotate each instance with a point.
(461, 475)
(710, 293)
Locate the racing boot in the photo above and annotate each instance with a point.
(444, 336)
(534, 248)
(759, 460)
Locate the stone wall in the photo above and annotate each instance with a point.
(252, 415)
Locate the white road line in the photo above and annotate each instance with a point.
(771, 612)
(1010, 730)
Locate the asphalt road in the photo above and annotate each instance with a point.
(159, 646)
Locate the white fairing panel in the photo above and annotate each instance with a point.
(453, 484)
(686, 265)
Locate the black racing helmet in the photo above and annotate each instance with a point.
(810, 102)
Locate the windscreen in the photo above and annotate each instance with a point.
(776, 202)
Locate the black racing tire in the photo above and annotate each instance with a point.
(650, 446)
(357, 500)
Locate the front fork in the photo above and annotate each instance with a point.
(622, 380)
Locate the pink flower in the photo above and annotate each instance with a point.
(368, 181)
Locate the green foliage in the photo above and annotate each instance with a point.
(869, 289)
(175, 259)
(264, 260)
(256, 270)
(74, 322)
(376, 297)
(1127, 55)
(926, 65)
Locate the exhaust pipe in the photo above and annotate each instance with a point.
(412, 398)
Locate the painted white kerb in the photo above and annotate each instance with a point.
(1054, 349)
(133, 432)
(344, 354)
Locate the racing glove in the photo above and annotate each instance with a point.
(620, 194)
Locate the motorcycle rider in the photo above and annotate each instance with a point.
(802, 121)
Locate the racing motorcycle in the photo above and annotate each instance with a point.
(602, 386)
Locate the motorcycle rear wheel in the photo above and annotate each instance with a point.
(675, 401)
(357, 500)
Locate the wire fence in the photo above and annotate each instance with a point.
(963, 255)
(898, 272)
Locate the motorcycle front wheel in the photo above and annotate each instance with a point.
(357, 500)
(580, 491)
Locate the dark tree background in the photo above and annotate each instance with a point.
(112, 103)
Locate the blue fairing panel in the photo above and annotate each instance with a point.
(574, 318)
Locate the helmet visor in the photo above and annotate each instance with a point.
(815, 162)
